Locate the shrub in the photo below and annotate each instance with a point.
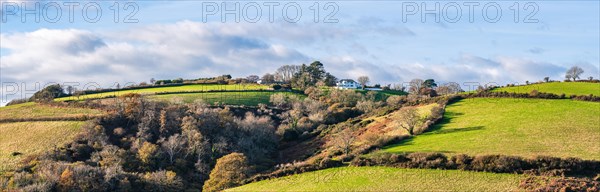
(427, 160)
(21, 179)
(81, 178)
(396, 101)
(499, 164)
(163, 181)
(535, 183)
(229, 171)
(276, 87)
(462, 161)
(329, 163)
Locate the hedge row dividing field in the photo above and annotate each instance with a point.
(181, 88)
(247, 98)
(568, 88)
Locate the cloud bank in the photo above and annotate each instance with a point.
(190, 49)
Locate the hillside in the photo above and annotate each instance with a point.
(522, 127)
(32, 128)
(29, 138)
(32, 110)
(179, 88)
(568, 88)
(387, 179)
(248, 98)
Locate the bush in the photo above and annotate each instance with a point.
(499, 164)
(489, 163)
(396, 100)
(276, 87)
(163, 181)
(428, 160)
(230, 171)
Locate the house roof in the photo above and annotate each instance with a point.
(349, 80)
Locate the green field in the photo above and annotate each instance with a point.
(388, 179)
(31, 138)
(522, 127)
(229, 98)
(568, 88)
(34, 110)
(182, 88)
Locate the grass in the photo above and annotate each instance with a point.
(31, 138)
(568, 88)
(182, 88)
(386, 124)
(521, 127)
(229, 98)
(388, 179)
(32, 110)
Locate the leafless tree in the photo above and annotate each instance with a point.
(363, 80)
(343, 141)
(286, 72)
(268, 78)
(410, 119)
(173, 146)
(70, 89)
(252, 78)
(574, 72)
(415, 86)
(448, 88)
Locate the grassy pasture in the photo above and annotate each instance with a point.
(229, 98)
(31, 138)
(568, 88)
(32, 110)
(182, 88)
(387, 179)
(521, 127)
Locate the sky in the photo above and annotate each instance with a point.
(89, 44)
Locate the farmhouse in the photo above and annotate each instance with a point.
(347, 84)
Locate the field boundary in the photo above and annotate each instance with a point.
(74, 118)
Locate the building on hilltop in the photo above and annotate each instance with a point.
(347, 84)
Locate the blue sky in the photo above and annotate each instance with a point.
(170, 40)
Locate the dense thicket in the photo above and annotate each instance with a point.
(152, 146)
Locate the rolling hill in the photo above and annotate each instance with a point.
(29, 138)
(521, 127)
(32, 128)
(33, 110)
(387, 179)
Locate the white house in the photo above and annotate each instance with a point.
(347, 84)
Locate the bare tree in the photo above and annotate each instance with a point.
(343, 141)
(268, 78)
(363, 80)
(173, 146)
(574, 72)
(70, 89)
(253, 78)
(152, 81)
(410, 119)
(415, 86)
(286, 72)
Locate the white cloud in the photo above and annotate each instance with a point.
(184, 49)
(191, 49)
